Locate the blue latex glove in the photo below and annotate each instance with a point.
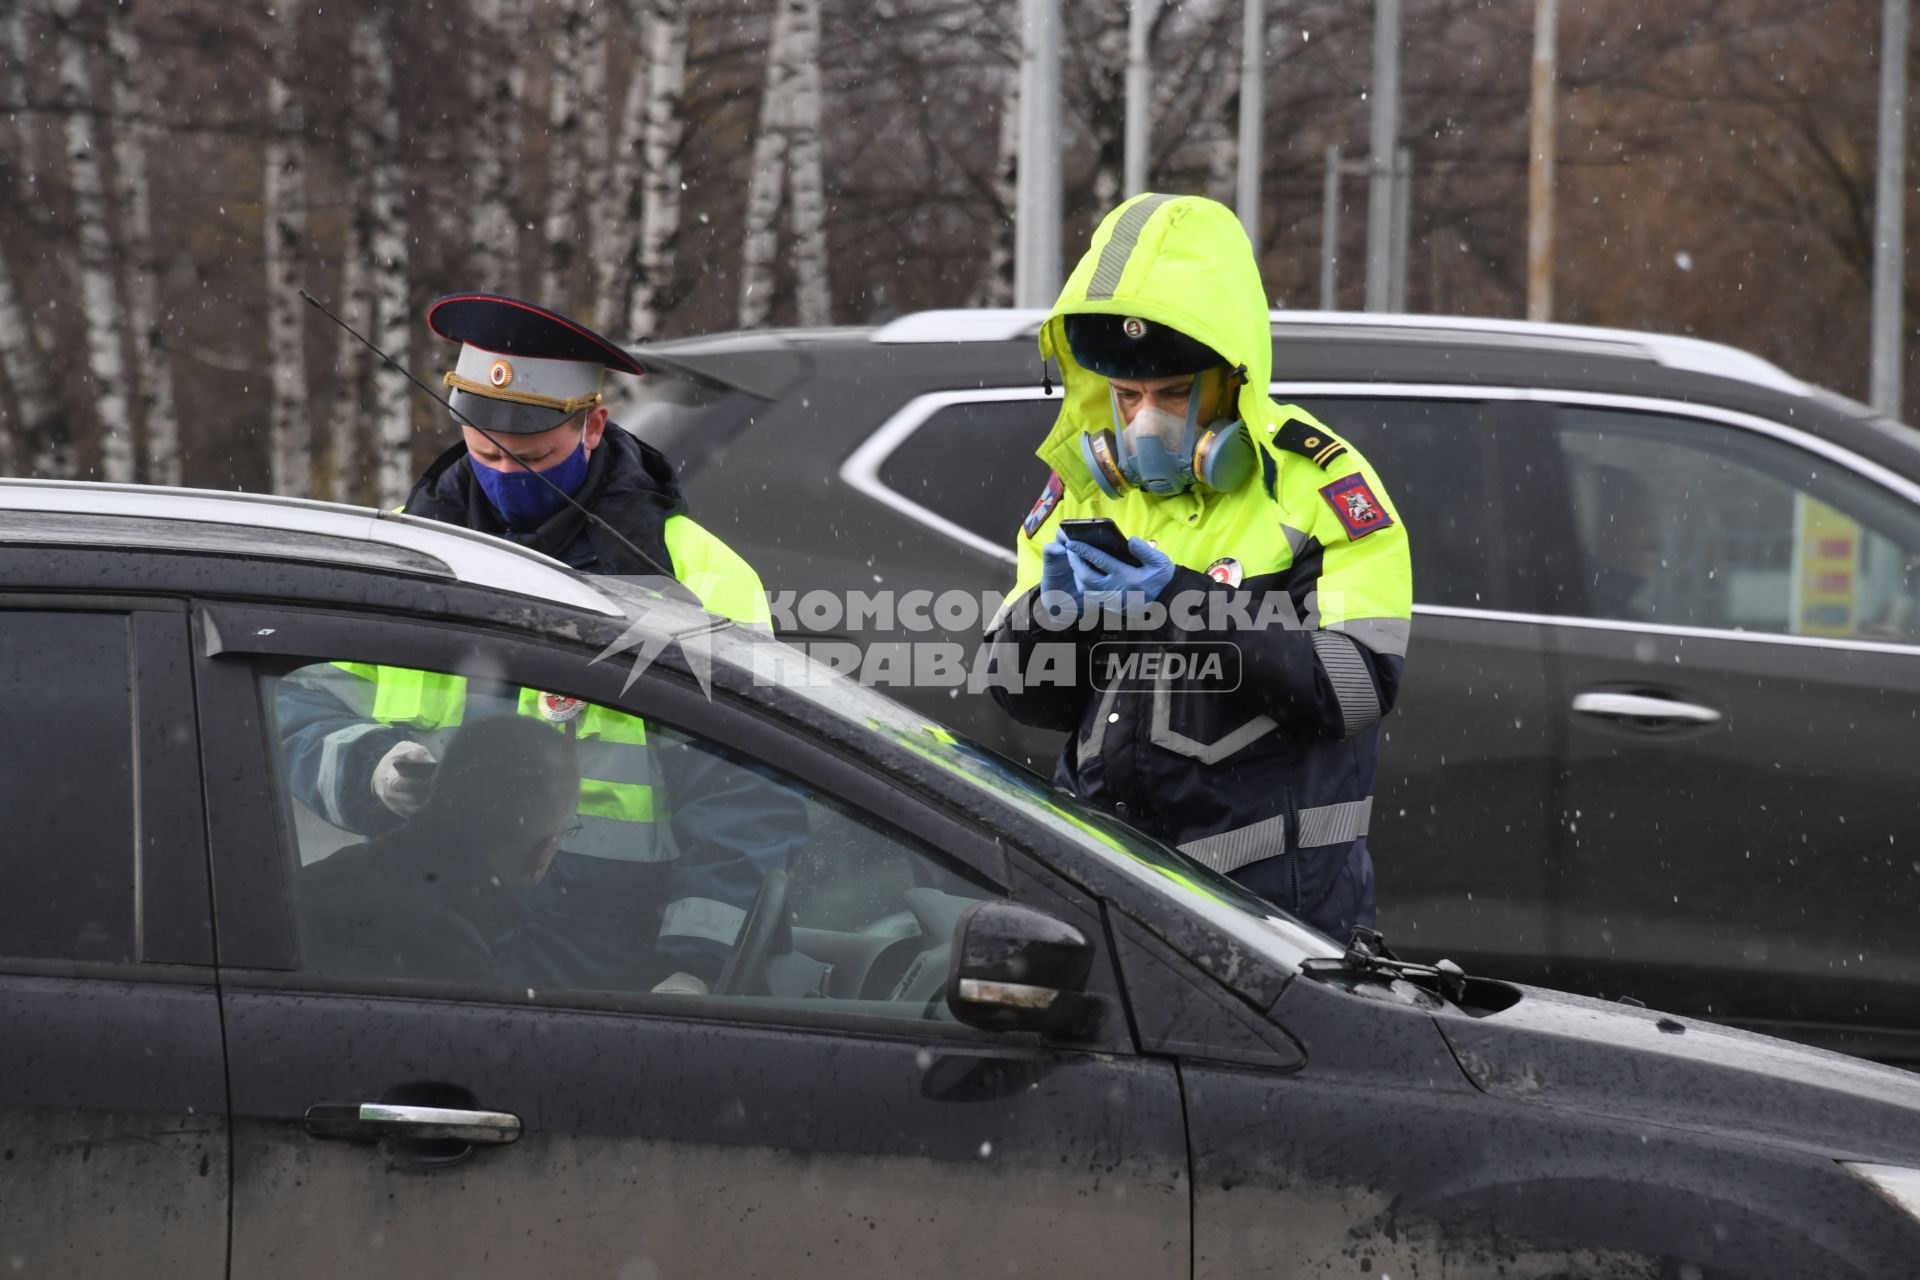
(1105, 583)
(1056, 571)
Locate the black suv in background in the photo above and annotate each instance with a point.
(1657, 737)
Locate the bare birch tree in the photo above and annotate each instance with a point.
(1104, 95)
(666, 64)
(808, 197)
(996, 285)
(28, 412)
(392, 326)
(152, 379)
(613, 160)
(764, 186)
(351, 360)
(564, 176)
(30, 420)
(94, 261)
(353, 364)
(284, 195)
(499, 90)
(1223, 149)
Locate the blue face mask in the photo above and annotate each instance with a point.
(520, 497)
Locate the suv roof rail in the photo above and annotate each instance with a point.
(460, 554)
(983, 324)
(1693, 355)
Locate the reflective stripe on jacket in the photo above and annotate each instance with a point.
(1272, 781)
(616, 770)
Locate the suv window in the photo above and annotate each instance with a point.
(1699, 524)
(551, 844)
(66, 786)
(1481, 527)
(973, 464)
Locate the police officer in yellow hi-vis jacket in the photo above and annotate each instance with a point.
(670, 842)
(1225, 692)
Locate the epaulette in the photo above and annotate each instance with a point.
(1312, 442)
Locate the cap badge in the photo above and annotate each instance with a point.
(500, 374)
(1134, 327)
(1227, 571)
(558, 709)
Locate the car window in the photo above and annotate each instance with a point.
(66, 786)
(447, 829)
(973, 464)
(1700, 524)
(1451, 468)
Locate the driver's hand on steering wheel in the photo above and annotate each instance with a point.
(680, 984)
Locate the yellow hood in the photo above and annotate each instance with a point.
(1181, 261)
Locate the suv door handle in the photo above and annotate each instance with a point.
(387, 1120)
(1640, 706)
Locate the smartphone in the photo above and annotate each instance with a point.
(1101, 534)
(416, 768)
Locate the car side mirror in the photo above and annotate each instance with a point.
(1017, 969)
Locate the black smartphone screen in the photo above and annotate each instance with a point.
(1101, 534)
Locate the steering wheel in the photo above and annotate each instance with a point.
(746, 968)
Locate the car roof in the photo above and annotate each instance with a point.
(1431, 342)
(85, 513)
(1001, 325)
(1315, 353)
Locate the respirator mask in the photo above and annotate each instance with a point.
(1164, 453)
(1158, 452)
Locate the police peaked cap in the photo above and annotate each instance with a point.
(522, 368)
(1129, 347)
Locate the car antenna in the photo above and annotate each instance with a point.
(494, 440)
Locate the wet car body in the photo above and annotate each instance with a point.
(1695, 790)
(179, 1087)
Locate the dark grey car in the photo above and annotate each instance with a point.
(1657, 731)
(968, 1028)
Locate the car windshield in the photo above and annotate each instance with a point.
(1245, 918)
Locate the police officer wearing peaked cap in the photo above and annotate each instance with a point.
(1229, 499)
(536, 379)
(622, 899)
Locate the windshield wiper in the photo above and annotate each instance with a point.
(1367, 953)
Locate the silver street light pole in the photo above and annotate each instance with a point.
(1253, 98)
(1546, 75)
(1381, 145)
(1330, 232)
(1889, 215)
(1402, 226)
(1036, 266)
(1139, 94)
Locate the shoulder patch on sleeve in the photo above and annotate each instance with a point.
(1353, 501)
(1316, 443)
(1049, 499)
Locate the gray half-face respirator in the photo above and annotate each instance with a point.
(1166, 454)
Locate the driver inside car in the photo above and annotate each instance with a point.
(440, 897)
(667, 851)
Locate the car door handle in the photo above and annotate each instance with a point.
(387, 1120)
(1640, 706)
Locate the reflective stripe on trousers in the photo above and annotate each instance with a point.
(1323, 825)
